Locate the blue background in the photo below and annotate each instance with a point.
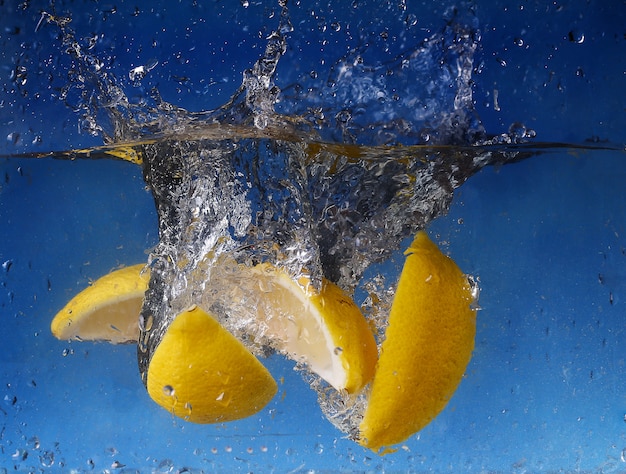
(546, 388)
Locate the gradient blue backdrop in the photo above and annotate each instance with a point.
(546, 388)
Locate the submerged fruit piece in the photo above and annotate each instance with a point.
(202, 373)
(326, 330)
(427, 346)
(108, 310)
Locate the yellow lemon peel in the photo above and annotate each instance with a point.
(202, 373)
(428, 344)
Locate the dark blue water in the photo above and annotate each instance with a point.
(545, 236)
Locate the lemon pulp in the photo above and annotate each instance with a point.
(108, 310)
(324, 329)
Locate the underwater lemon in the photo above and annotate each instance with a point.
(108, 310)
(427, 346)
(324, 329)
(202, 373)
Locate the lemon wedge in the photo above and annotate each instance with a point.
(202, 373)
(428, 344)
(108, 310)
(324, 330)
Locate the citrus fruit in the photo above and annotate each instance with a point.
(428, 344)
(202, 373)
(324, 329)
(108, 310)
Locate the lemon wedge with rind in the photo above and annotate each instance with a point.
(202, 373)
(323, 329)
(428, 344)
(108, 310)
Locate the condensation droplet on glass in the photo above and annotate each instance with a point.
(501, 61)
(518, 42)
(336, 26)
(460, 221)
(576, 36)
(623, 455)
(47, 459)
(337, 351)
(168, 390)
(245, 3)
(228, 449)
(319, 448)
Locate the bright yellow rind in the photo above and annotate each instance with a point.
(108, 310)
(202, 373)
(326, 330)
(427, 346)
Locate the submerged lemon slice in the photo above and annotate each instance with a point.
(325, 330)
(427, 346)
(108, 310)
(202, 373)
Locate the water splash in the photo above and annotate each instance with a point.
(324, 177)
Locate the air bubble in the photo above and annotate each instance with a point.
(146, 322)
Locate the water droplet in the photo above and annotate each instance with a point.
(337, 351)
(336, 26)
(47, 459)
(117, 465)
(518, 42)
(168, 390)
(249, 450)
(6, 266)
(576, 36)
(245, 3)
(136, 74)
(319, 448)
(228, 449)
